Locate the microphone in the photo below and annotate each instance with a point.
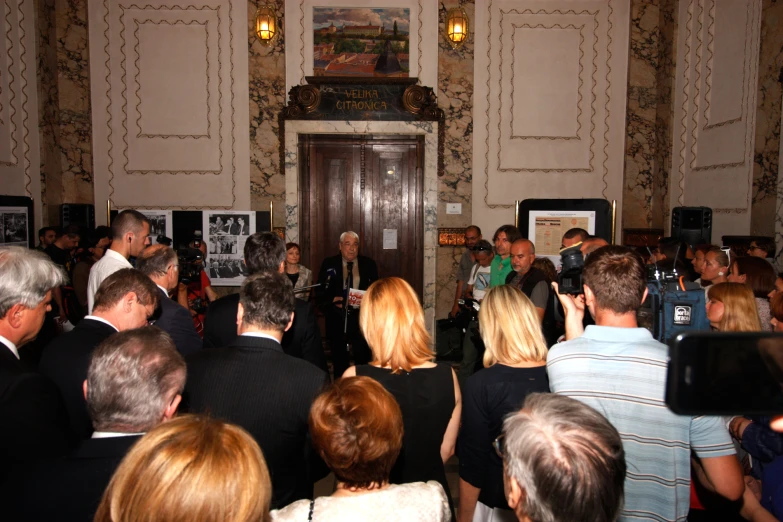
(329, 274)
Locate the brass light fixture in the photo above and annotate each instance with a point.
(267, 26)
(457, 27)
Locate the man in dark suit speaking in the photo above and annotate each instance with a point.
(254, 384)
(338, 274)
(265, 253)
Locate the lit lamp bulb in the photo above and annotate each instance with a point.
(458, 34)
(263, 30)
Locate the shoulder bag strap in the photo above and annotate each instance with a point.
(310, 516)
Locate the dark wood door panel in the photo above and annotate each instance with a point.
(366, 184)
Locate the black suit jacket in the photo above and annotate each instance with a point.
(175, 320)
(65, 361)
(254, 384)
(302, 340)
(330, 277)
(32, 415)
(68, 489)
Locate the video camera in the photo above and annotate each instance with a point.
(569, 281)
(469, 309)
(673, 305)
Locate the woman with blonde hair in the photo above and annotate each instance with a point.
(392, 321)
(190, 468)
(515, 366)
(731, 307)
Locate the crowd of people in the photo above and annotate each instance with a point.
(131, 415)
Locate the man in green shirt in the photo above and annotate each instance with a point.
(501, 265)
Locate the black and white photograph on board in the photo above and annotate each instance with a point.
(161, 224)
(14, 228)
(227, 234)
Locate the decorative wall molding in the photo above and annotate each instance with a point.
(167, 91)
(715, 106)
(555, 130)
(19, 153)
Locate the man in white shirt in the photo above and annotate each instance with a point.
(130, 235)
(125, 300)
(134, 382)
(33, 421)
(478, 285)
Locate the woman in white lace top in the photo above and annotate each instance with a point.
(356, 425)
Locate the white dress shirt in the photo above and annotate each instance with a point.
(11, 346)
(108, 264)
(101, 320)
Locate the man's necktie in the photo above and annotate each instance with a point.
(349, 279)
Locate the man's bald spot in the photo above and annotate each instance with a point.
(526, 243)
(591, 245)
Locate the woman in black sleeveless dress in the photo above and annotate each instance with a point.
(392, 322)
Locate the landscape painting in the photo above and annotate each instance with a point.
(361, 42)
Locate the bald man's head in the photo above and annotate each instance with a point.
(523, 253)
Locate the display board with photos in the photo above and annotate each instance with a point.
(16, 221)
(224, 233)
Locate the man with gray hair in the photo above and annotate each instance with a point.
(161, 265)
(134, 382)
(562, 461)
(33, 421)
(337, 276)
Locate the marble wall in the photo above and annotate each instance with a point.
(455, 97)
(641, 140)
(768, 104)
(48, 110)
(73, 90)
(267, 97)
(667, 52)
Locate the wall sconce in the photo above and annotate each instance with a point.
(457, 27)
(267, 27)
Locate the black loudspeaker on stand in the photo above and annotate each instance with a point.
(77, 214)
(692, 224)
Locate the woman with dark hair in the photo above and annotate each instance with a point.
(299, 275)
(698, 259)
(758, 274)
(357, 428)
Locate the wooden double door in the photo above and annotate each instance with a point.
(372, 185)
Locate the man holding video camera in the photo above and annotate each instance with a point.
(620, 370)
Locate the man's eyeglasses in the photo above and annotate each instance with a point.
(499, 446)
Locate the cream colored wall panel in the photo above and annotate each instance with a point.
(19, 154)
(715, 105)
(169, 98)
(551, 82)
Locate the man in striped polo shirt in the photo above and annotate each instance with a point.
(620, 370)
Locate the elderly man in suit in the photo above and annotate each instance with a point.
(134, 382)
(253, 383)
(33, 420)
(337, 276)
(160, 264)
(265, 253)
(125, 300)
